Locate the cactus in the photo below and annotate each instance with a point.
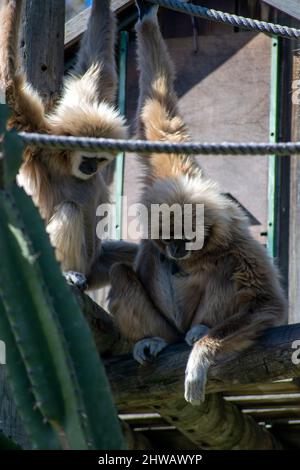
(55, 373)
(8, 444)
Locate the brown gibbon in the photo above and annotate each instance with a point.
(67, 186)
(219, 298)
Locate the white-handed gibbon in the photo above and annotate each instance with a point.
(219, 298)
(67, 186)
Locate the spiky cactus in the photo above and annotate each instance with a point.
(56, 376)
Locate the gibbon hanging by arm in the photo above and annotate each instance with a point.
(67, 186)
(220, 298)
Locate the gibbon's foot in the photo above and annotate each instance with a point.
(148, 348)
(145, 8)
(76, 279)
(195, 333)
(196, 377)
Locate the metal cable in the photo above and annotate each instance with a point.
(91, 144)
(230, 19)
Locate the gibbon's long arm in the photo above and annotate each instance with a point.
(10, 12)
(157, 115)
(135, 314)
(27, 107)
(97, 52)
(156, 77)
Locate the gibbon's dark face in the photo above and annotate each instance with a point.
(87, 164)
(176, 249)
(204, 237)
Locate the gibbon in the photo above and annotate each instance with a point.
(219, 298)
(67, 186)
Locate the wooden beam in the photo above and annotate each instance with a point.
(75, 27)
(269, 360)
(217, 425)
(291, 7)
(250, 372)
(42, 46)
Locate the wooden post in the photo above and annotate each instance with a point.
(294, 271)
(42, 46)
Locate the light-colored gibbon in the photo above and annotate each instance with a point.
(67, 186)
(220, 298)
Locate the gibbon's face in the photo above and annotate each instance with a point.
(207, 235)
(87, 164)
(174, 248)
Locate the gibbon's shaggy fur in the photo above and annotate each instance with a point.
(220, 298)
(67, 186)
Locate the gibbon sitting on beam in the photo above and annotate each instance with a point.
(219, 298)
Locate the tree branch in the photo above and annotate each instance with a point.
(268, 360)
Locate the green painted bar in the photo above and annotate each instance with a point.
(273, 159)
(119, 171)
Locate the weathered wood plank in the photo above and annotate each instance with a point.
(274, 413)
(269, 360)
(217, 425)
(75, 27)
(291, 7)
(42, 46)
(282, 399)
(282, 386)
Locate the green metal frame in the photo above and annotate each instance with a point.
(119, 170)
(274, 134)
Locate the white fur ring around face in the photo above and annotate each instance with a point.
(148, 348)
(195, 333)
(196, 377)
(85, 165)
